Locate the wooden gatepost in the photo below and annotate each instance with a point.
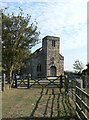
(3, 82)
(22, 81)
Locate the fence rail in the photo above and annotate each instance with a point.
(49, 81)
(82, 108)
(80, 97)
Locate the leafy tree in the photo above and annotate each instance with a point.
(78, 66)
(18, 37)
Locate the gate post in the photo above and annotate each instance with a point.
(61, 85)
(66, 83)
(15, 82)
(28, 82)
(3, 82)
(29, 78)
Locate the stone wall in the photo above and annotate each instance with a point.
(39, 58)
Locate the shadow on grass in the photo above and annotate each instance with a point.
(61, 100)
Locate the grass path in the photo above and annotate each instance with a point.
(36, 103)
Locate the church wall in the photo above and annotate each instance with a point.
(47, 56)
(38, 59)
(61, 66)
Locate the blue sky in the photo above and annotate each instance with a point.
(66, 19)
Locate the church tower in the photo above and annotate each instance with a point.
(54, 62)
(47, 60)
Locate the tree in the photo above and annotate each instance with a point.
(18, 37)
(78, 66)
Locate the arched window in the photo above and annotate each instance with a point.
(39, 68)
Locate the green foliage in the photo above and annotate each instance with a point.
(18, 37)
(78, 66)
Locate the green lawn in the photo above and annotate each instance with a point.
(36, 103)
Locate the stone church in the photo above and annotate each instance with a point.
(47, 60)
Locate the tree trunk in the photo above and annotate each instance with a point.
(13, 78)
(10, 80)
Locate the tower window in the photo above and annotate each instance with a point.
(53, 43)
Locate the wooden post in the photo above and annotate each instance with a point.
(0, 83)
(81, 83)
(61, 85)
(28, 82)
(76, 91)
(66, 84)
(83, 99)
(87, 76)
(15, 82)
(72, 89)
(77, 100)
(3, 82)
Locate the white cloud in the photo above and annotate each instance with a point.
(3, 5)
(54, 19)
(67, 20)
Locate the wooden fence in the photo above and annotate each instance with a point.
(48, 82)
(82, 100)
(80, 97)
(71, 85)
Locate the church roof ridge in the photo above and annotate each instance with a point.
(38, 50)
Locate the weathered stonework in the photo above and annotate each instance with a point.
(47, 60)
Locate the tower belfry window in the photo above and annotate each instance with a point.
(53, 43)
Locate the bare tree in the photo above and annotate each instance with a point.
(78, 66)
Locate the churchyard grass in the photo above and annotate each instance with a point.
(34, 102)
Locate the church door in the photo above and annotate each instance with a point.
(53, 71)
